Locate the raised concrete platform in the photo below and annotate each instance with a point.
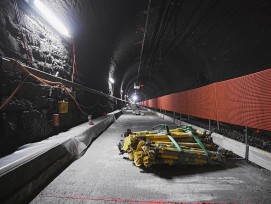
(32, 166)
(101, 175)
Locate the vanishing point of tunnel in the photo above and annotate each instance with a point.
(135, 101)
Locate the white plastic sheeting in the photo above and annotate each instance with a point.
(75, 141)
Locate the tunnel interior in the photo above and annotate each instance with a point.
(164, 47)
(181, 88)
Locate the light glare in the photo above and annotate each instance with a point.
(134, 98)
(111, 80)
(51, 18)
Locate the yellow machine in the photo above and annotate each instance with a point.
(179, 146)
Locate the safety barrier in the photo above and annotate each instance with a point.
(244, 101)
(252, 154)
(28, 170)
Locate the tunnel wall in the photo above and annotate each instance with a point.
(241, 101)
(28, 117)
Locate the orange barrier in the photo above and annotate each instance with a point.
(244, 101)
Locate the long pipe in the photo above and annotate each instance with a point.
(9, 65)
(143, 42)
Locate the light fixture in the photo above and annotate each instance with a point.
(51, 18)
(134, 98)
(112, 81)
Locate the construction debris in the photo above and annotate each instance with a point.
(180, 146)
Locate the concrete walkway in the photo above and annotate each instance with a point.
(103, 176)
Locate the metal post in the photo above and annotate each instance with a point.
(174, 118)
(1, 78)
(209, 124)
(180, 118)
(217, 122)
(247, 146)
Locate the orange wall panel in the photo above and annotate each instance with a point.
(201, 102)
(244, 101)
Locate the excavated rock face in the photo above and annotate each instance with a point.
(29, 115)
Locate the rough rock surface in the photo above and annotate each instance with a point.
(29, 115)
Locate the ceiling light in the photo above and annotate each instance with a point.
(134, 98)
(48, 15)
(111, 80)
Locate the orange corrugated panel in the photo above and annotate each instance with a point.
(246, 100)
(242, 101)
(201, 102)
(166, 102)
(181, 102)
(160, 102)
(148, 103)
(152, 103)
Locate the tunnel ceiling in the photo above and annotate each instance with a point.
(188, 43)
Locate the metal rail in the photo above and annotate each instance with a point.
(7, 64)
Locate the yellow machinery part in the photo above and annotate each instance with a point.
(148, 148)
(131, 156)
(127, 143)
(138, 158)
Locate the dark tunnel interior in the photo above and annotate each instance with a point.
(164, 46)
(188, 44)
(135, 101)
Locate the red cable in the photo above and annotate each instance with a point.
(13, 93)
(51, 84)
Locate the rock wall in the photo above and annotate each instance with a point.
(29, 116)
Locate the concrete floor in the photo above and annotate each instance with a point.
(104, 176)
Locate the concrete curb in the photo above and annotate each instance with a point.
(255, 155)
(21, 178)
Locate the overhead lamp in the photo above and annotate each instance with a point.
(51, 18)
(112, 81)
(135, 98)
(136, 85)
